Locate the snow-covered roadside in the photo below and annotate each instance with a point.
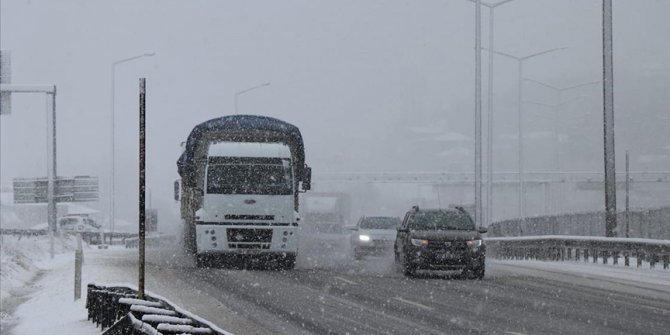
(18, 257)
(48, 305)
(34, 295)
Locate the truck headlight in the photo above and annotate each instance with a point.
(474, 244)
(364, 238)
(419, 242)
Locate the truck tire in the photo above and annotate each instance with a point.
(189, 238)
(287, 262)
(201, 261)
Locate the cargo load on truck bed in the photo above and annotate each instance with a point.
(238, 128)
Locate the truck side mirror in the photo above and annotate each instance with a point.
(176, 190)
(307, 179)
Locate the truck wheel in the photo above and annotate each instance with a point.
(287, 262)
(201, 261)
(189, 239)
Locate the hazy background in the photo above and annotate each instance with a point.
(373, 85)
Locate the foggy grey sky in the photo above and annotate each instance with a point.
(350, 74)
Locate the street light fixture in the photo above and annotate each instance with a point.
(247, 90)
(112, 130)
(559, 103)
(520, 61)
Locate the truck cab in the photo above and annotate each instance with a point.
(247, 206)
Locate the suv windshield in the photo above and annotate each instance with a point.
(440, 221)
(380, 223)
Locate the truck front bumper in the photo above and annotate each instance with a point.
(246, 240)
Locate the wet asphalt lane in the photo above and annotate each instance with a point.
(338, 295)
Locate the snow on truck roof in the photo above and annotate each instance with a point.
(239, 128)
(239, 149)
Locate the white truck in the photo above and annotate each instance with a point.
(240, 180)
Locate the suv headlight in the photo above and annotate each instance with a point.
(474, 244)
(419, 242)
(364, 238)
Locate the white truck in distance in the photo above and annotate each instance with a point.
(241, 176)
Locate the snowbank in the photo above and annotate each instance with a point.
(19, 258)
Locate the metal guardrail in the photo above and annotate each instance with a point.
(580, 177)
(23, 232)
(154, 241)
(90, 237)
(576, 248)
(117, 311)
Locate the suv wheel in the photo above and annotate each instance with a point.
(474, 273)
(357, 255)
(408, 269)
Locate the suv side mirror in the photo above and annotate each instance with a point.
(176, 190)
(482, 230)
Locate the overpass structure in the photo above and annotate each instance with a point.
(545, 193)
(467, 178)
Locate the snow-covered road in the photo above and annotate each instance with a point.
(344, 296)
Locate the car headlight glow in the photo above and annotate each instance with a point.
(419, 242)
(364, 238)
(474, 243)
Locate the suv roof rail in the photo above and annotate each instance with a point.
(461, 209)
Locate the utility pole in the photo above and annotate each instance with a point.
(142, 217)
(608, 122)
(627, 195)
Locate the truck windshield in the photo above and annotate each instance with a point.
(440, 221)
(271, 176)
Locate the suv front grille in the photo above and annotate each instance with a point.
(447, 245)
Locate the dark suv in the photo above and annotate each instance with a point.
(439, 239)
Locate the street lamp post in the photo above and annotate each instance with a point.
(489, 139)
(520, 61)
(247, 90)
(111, 134)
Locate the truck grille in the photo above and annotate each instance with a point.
(244, 235)
(249, 217)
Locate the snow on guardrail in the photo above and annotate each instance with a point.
(116, 309)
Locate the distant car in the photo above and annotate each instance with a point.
(77, 224)
(439, 239)
(374, 235)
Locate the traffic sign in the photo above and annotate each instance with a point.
(77, 189)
